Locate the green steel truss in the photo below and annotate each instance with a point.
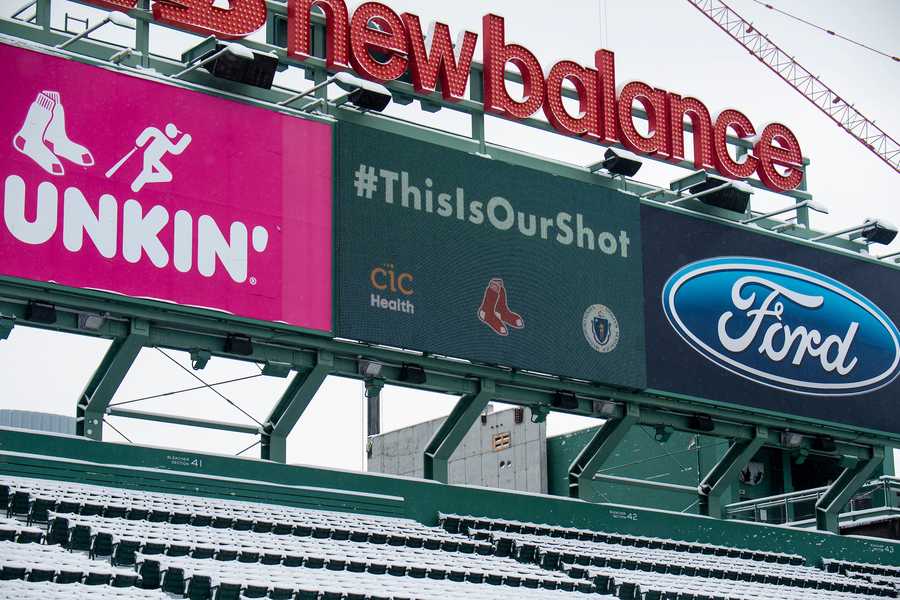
(133, 324)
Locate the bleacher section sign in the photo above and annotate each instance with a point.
(117, 183)
(753, 320)
(461, 255)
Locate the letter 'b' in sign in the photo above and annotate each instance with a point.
(783, 326)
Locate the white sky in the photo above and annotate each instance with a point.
(665, 43)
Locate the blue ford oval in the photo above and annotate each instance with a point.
(783, 326)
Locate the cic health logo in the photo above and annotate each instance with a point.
(392, 289)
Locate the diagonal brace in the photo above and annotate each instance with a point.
(101, 388)
(454, 429)
(600, 448)
(290, 407)
(836, 497)
(725, 472)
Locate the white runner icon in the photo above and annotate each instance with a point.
(154, 171)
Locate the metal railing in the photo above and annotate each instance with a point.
(798, 508)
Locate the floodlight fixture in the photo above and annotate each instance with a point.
(874, 231)
(605, 408)
(199, 359)
(115, 17)
(618, 162)
(369, 368)
(363, 93)
(274, 368)
(91, 321)
(231, 61)
(812, 204)
(791, 439)
(39, 312)
(722, 193)
(663, 433)
(539, 413)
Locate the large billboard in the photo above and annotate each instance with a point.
(118, 183)
(749, 319)
(462, 255)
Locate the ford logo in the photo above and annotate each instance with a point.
(783, 326)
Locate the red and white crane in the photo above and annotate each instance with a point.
(810, 86)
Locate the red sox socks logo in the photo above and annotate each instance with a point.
(43, 136)
(494, 311)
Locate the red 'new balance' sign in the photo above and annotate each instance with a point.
(604, 115)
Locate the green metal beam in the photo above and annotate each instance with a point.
(830, 504)
(723, 475)
(175, 420)
(94, 400)
(290, 407)
(601, 446)
(453, 430)
(6, 326)
(188, 329)
(646, 483)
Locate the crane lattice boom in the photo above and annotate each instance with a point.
(795, 75)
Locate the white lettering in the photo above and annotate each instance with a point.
(799, 339)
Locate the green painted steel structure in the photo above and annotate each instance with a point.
(68, 458)
(133, 324)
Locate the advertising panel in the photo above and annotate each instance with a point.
(117, 183)
(462, 255)
(748, 319)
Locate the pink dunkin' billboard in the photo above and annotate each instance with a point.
(117, 183)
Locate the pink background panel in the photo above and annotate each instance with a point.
(243, 164)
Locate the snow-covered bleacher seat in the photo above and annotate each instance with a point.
(71, 540)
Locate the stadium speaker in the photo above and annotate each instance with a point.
(824, 444)
(565, 401)
(238, 344)
(701, 423)
(412, 374)
(37, 312)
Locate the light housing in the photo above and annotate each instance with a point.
(239, 344)
(605, 408)
(722, 193)
(39, 312)
(363, 93)
(412, 374)
(701, 423)
(91, 321)
(564, 400)
(618, 162)
(879, 231)
(232, 61)
(369, 368)
(791, 439)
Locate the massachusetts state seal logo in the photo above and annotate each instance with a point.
(601, 328)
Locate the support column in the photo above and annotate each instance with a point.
(289, 409)
(373, 406)
(600, 448)
(829, 506)
(723, 475)
(453, 430)
(101, 388)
